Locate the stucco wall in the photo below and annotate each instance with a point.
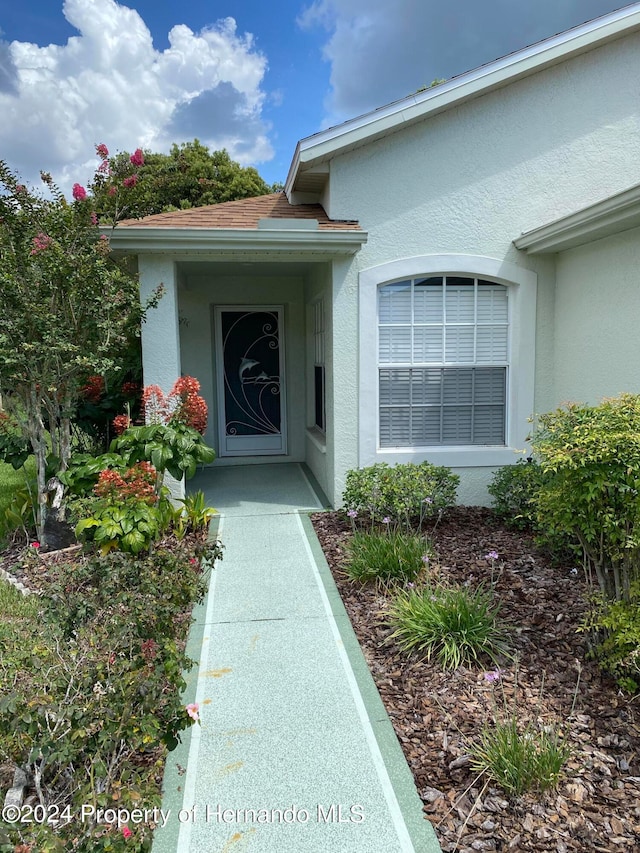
(597, 332)
(199, 293)
(471, 180)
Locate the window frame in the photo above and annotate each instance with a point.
(522, 284)
(319, 364)
(445, 329)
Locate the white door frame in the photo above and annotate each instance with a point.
(260, 444)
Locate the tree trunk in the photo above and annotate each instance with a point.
(37, 437)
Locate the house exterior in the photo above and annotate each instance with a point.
(434, 273)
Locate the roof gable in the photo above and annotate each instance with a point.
(314, 152)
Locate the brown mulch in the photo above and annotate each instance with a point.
(596, 806)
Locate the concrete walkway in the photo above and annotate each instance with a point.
(295, 753)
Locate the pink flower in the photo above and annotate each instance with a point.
(20, 188)
(112, 191)
(131, 181)
(126, 832)
(35, 544)
(94, 218)
(352, 513)
(40, 243)
(102, 151)
(79, 192)
(137, 158)
(493, 676)
(104, 167)
(192, 711)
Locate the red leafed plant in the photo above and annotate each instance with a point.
(137, 482)
(191, 408)
(183, 404)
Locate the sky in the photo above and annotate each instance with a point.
(253, 76)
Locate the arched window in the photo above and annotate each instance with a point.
(447, 360)
(442, 361)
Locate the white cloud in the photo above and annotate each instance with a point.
(382, 50)
(110, 85)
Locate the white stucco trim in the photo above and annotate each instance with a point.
(522, 321)
(322, 146)
(318, 438)
(177, 240)
(619, 212)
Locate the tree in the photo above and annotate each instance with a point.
(66, 309)
(143, 183)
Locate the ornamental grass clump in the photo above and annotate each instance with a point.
(456, 626)
(387, 556)
(518, 756)
(519, 760)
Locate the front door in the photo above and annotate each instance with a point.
(250, 371)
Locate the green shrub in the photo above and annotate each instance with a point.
(514, 489)
(455, 625)
(14, 447)
(176, 448)
(590, 456)
(20, 515)
(386, 556)
(614, 627)
(406, 494)
(84, 470)
(148, 589)
(519, 760)
(131, 526)
(91, 693)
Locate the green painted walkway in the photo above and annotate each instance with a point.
(295, 753)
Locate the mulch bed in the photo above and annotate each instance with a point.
(596, 806)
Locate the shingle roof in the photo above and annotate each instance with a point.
(244, 213)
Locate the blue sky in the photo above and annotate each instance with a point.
(251, 76)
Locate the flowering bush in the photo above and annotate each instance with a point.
(93, 388)
(67, 309)
(121, 423)
(78, 192)
(95, 718)
(182, 405)
(405, 494)
(137, 158)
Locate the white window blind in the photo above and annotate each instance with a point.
(443, 362)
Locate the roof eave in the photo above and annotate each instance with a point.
(372, 125)
(138, 240)
(613, 215)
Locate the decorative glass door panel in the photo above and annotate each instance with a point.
(250, 381)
